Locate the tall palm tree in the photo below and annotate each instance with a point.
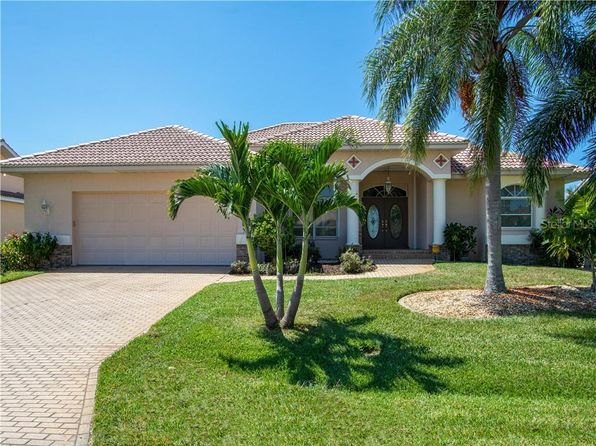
(487, 54)
(302, 174)
(233, 188)
(566, 114)
(279, 213)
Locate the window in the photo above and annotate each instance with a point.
(379, 191)
(516, 209)
(324, 226)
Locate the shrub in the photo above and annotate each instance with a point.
(267, 269)
(540, 247)
(264, 234)
(459, 240)
(291, 266)
(27, 251)
(350, 262)
(314, 255)
(239, 267)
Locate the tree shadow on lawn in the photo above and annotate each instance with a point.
(341, 354)
(584, 337)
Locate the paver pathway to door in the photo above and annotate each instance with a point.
(57, 327)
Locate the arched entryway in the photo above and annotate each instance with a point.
(386, 224)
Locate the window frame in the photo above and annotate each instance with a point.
(517, 188)
(313, 234)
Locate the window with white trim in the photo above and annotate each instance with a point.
(325, 226)
(516, 209)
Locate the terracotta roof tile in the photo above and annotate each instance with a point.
(461, 162)
(170, 145)
(274, 130)
(368, 131)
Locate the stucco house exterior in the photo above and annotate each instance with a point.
(106, 201)
(12, 207)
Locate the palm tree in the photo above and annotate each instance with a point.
(281, 216)
(302, 174)
(233, 188)
(566, 114)
(489, 54)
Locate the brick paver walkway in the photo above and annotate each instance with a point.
(57, 327)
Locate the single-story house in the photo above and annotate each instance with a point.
(12, 207)
(106, 200)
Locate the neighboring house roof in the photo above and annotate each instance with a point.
(367, 131)
(461, 162)
(278, 129)
(7, 193)
(6, 150)
(170, 146)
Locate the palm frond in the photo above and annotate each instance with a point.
(202, 185)
(339, 200)
(562, 121)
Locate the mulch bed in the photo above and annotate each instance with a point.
(474, 304)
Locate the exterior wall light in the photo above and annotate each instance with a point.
(45, 207)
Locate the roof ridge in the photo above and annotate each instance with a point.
(127, 135)
(283, 123)
(289, 132)
(189, 130)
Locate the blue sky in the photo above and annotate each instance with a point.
(74, 72)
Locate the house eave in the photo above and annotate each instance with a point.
(100, 168)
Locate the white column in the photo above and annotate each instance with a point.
(439, 211)
(353, 223)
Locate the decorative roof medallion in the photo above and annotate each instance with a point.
(353, 161)
(441, 160)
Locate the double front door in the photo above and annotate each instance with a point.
(386, 225)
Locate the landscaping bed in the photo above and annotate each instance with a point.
(474, 304)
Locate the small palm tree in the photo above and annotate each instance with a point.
(301, 175)
(489, 54)
(233, 188)
(279, 213)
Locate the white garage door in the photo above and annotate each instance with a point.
(134, 229)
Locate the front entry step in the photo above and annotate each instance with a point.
(398, 254)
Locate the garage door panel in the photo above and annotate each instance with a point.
(135, 229)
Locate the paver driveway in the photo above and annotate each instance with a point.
(57, 327)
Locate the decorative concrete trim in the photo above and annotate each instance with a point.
(385, 161)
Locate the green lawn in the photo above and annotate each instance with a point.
(9, 276)
(360, 370)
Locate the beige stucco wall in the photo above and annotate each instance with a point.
(375, 159)
(12, 217)
(555, 196)
(462, 207)
(58, 188)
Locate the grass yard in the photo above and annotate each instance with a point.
(9, 276)
(359, 370)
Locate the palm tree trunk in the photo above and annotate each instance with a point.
(271, 320)
(495, 282)
(288, 320)
(592, 258)
(279, 290)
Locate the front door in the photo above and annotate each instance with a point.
(386, 225)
